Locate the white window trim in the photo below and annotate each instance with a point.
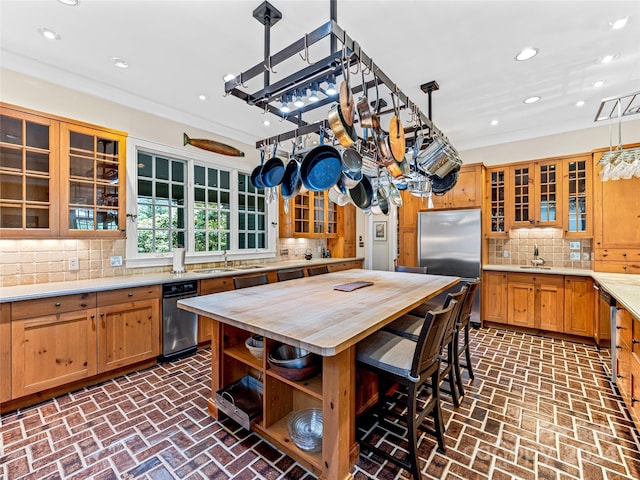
(135, 260)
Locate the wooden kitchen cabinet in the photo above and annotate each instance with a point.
(624, 334)
(578, 218)
(494, 296)
(535, 194)
(344, 244)
(467, 191)
(310, 215)
(408, 229)
(128, 326)
(617, 215)
(496, 206)
(579, 306)
(53, 342)
(5, 352)
(208, 286)
(59, 177)
(535, 301)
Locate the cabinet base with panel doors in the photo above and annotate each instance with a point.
(128, 326)
(59, 177)
(616, 237)
(628, 361)
(53, 342)
(540, 302)
(5, 352)
(61, 344)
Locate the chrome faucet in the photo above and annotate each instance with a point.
(536, 262)
(224, 252)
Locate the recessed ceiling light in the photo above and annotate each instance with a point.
(228, 76)
(69, 2)
(598, 84)
(526, 54)
(494, 122)
(607, 58)
(579, 103)
(119, 62)
(533, 99)
(618, 24)
(266, 122)
(202, 97)
(49, 34)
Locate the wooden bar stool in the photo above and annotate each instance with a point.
(409, 326)
(415, 366)
(250, 281)
(406, 269)
(462, 326)
(311, 271)
(290, 274)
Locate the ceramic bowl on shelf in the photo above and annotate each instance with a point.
(255, 345)
(305, 429)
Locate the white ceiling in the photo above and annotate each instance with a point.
(178, 49)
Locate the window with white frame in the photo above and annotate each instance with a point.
(207, 208)
(211, 209)
(161, 203)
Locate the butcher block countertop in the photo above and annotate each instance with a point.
(624, 287)
(309, 313)
(43, 290)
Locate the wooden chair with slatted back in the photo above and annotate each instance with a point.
(250, 281)
(290, 274)
(415, 367)
(311, 271)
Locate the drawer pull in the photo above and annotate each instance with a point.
(130, 294)
(58, 304)
(634, 400)
(618, 327)
(620, 376)
(634, 341)
(618, 346)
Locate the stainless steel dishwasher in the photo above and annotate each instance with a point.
(179, 327)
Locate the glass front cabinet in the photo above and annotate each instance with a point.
(59, 179)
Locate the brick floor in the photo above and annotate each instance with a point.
(538, 408)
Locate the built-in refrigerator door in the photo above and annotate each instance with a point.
(449, 242)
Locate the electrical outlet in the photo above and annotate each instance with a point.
(116, 261)
(505, 254)
(74, 264)
(574, 245)
(574, 255)
(586, 256)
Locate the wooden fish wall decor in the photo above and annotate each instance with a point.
(213, 146)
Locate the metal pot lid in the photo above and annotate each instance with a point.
(440, 186)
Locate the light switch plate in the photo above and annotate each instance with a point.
(116, 261)
(505, 254)
(574, 256)
(574, 245)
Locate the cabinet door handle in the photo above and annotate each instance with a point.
(620, 376)
(634, 400)
(618, 346)
(618, 327)
(635, 342)
(58, 304)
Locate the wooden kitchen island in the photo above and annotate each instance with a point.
(309, 313)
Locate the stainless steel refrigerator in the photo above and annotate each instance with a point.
(449, 243)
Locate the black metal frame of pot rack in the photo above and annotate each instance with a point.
(318, 72)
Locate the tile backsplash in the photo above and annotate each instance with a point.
(552, 247)
(27, 262)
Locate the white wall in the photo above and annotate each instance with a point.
(578, 141)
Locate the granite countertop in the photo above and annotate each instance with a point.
(624, 287)
(43, 290)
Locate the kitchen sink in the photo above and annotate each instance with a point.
(214, 270)
(247, 267)
(531, 267)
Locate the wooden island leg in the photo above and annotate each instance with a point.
(216, 358)
(339, 448)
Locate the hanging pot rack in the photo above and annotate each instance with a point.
(321, 71)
